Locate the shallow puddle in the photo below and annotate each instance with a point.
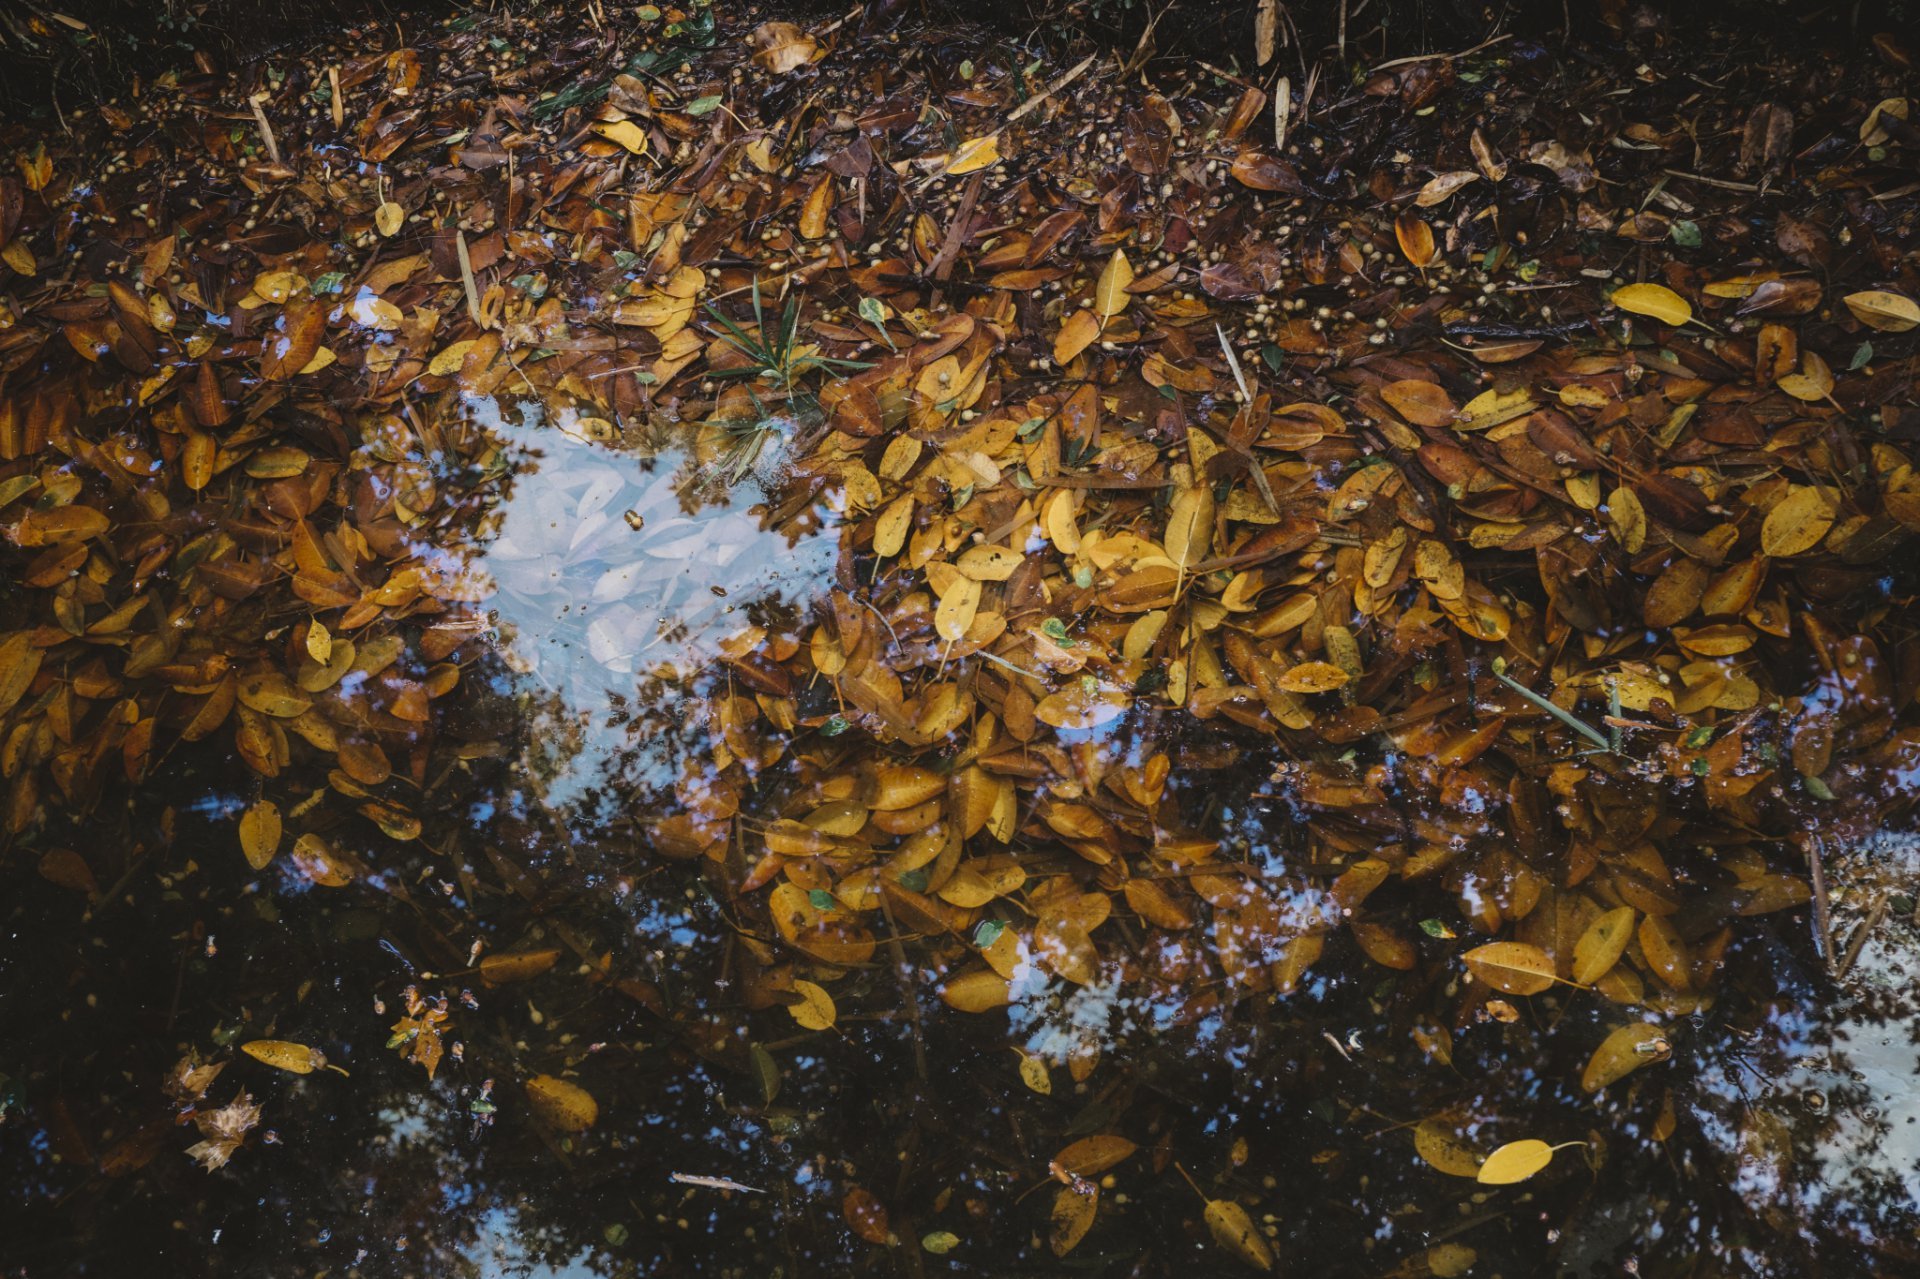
(993, 677)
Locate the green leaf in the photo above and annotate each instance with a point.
(821, 899)
(1862, 356)
(1685, 234)
(988, 932)
(704, 106)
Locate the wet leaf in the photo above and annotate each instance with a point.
(1233, 1229)
(389, 218)
(1887, 312)
(562, 1105)
(260, 833)
(522, 965)
(1074, 1209)
(1076, 335)
(1110, 297)
(282, 1055)
(815, 1011)
(1091, 1156)
(866, 1216)
(1655, 300)
(1796, 523)
(1622, 1052)
(1602, 944)
(1513, 967)
(1514, 1162)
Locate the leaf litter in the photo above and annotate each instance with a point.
(1130, 586)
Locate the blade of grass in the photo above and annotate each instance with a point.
(1573, 722)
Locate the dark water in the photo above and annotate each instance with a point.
(1782, 1137)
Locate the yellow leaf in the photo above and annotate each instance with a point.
(1656, 300)
(957, 607)
(518, 965)
(1443, 1149)
(319, 641)
(1073, 1213)
(1076, 335)
(1515, 1161)
(1313, 677)
(1091, 1156)
(624, 133)
(815, 1011)
(562, 1105)
(278, 286)
(448, 362)
(281, 1055)
(890, 529)
(1796, 523)
(375, 312)
(1034, 1074)
(1600, 947)
(1416, 240)
(1888, 312)
(388, 218)
(1510, 966)
(976, 992)
(1628, 518)
(1110, 297)
(260, 833)
(1814, 381)
(1078, 706)
(1623, 1052)
(20, 257)
(1234, 1230)
(1190, 526)
(20, 661)
(974, 153)
(1421, 403)
(781, 47)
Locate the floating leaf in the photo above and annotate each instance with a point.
(1074, 1209)
(1602, 944)
(1796, 523)
(389, 218)
(1513, 967)
(1623, 1052)
(260, 833)
(815, 1011)
(562, 1105)
(1515, 1161)
(1233, 1229)
(282, 1055)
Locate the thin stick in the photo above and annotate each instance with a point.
(1861, 934)
(1703, 180)
(266, 130)
(340, 107)
(466, 278)
(1282, 108)
(1442, 57)
(1079, 69)
(1822, 914)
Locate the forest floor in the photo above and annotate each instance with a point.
(647, 641)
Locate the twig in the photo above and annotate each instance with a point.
(1703, 180)
(1079, 69)
(266, 130)
(1859, 940)
(1441, 57)
(1822, 915)
(466, 278)
(340, 107)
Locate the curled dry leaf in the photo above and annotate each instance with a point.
(781, 47)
